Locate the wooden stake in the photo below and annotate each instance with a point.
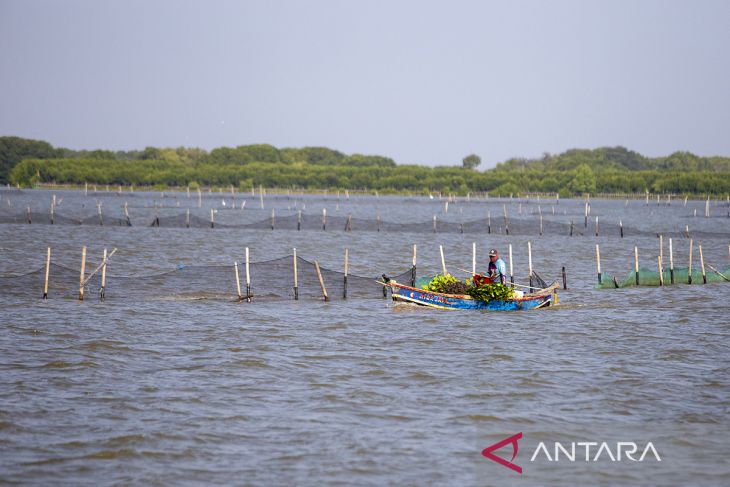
(542, 228)
(200, 198)
(273, 218)
(702, 266)
(661, 271)
(321, 281)
(529, 262)
(489, 222)
(413, 267)
(83, 270)
(299, 220)
(212, 218)
(347, 265)
(48, 270)
(296, 284)
(187, 218)
(511, 274)
(621, 228)
(248, 279)
(598, 264)
(473, 258)
(238, 280)
(434, 224)
(689, 267)
(102, 292)
(636, 261)
(443, 261)
(661, 247)
(565, 278)
(671, 262)
(261, 196)
(324, 219)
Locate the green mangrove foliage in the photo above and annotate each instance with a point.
(576, 171)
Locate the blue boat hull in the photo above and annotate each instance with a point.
(409, 294)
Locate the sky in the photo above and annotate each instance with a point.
(423, 82)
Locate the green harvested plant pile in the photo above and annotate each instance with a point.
(447, 284)
(491, 292)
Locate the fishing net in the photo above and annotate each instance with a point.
(648, 277)
(272, 279)
(317, 222)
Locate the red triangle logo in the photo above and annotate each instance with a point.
(487, 452)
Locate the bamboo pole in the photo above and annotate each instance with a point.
(238, 280)
(473, 258)
(565, 278)
(671, 263)
(102, 292)
(299, 220)
(529, 262)
(248, 278)
(621, 228)
(689, 267)
(29, 217)
(661, 271)
(434, 224)
(541, 227)
(81, 276)
(511, 273)
(347, 265)
(321, 281)
(585, 215)
(200, 198)
(324, 219)
(413, 268)
(598, 264)
(443, 261)
(296, 284)
(273, 218)
(597, 226)
(661, 247)
(261, 196)
(48, 270)
(187, 218)
(489, 222)
(702, 265)
(636, 262)
(212, 218)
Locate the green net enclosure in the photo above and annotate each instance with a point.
(648, 277)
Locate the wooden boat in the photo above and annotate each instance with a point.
(538, 299)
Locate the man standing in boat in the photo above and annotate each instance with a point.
(497, 268)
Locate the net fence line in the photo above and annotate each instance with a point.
(269, 280)
(323, 222)
(264, 280)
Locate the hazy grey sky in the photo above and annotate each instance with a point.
(421, 81)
